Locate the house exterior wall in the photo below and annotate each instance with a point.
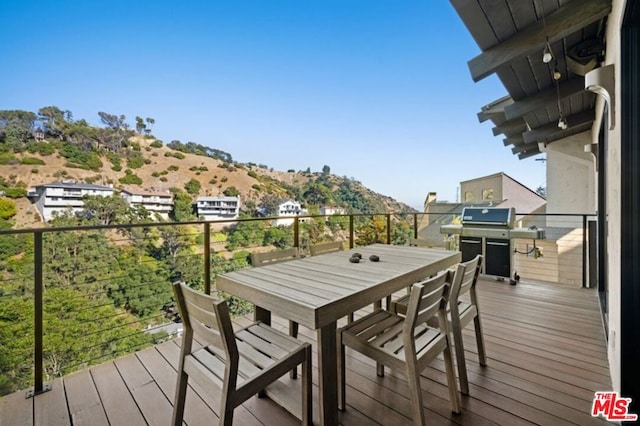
(57, 198)
(160, 204)
(571, 180)
(476, 187)
(287, 210)
(218, 208)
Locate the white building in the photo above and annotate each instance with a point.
(159, 203)
(287, 210)
(58, 197)
(218, 208)
(329, 210)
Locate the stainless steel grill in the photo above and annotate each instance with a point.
(489, 231)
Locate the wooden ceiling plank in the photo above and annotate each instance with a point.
(542, 99)
(543, 132)
(559, 24)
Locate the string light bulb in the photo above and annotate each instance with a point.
(557, 75)
(562, 123)
(547, 56)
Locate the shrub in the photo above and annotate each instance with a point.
(135, 161)
(203, 168)
(32, 161)
(130, 178)
(156, 144)
(252, 174)
(178, 155)
(7, 208)
(224, 179)
(45, 148)
(231, 191)
(192, 187)
(34, 170)
(155, 174)
(8, 158)
(173, 168)
(163, 179)
(256, 187)
(14, 192)
(115, 160)
(213, 181)
(60, 173)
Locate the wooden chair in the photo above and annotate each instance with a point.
(460, 314)
(322, 248)
(275, 256)
(463, 312)
(405, 343)
(240, 363)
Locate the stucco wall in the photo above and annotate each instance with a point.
(571, 179)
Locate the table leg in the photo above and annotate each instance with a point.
(261, 314)
(264, 316)
(328, 374)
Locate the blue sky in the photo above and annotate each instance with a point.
(379, 90)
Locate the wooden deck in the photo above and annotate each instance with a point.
(546, 358)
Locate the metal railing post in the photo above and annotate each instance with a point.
(207, 258)
(388, 228)
(296, 232)
(38, 364)
(350, 231)
(415, 225)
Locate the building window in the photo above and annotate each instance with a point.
(487, 194)
(468, 196)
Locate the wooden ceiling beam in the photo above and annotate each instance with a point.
(544, 99)
(494, 108)
(513, 140)
(526, 147)
(510, 127)
(540, 134)
(559, 24)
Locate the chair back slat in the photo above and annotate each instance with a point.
(275, 256)
(427, 298)
(322, 248)
(466, 277)
(207, 316)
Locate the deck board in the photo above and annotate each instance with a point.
(546, 358)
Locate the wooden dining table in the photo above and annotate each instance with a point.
(317, 291)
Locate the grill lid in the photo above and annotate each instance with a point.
(490, 216)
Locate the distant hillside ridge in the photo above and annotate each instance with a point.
(137, 161)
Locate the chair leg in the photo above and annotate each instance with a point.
(178, 404)
(342, 379)
(451, 379)
(226, 408)
(379, 369)
(482, 355)
(460, 358)
(293, 332)
(350, 318)
(417, 409)
(307, 386)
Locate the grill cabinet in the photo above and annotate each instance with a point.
(489, 231)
